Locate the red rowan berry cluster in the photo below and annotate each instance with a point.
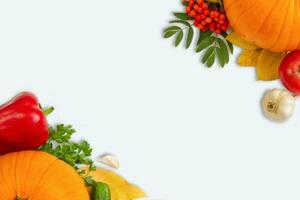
(207, 18)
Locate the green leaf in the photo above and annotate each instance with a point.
(89, 181)
(101, 191)
(223, 49)
(207, 54)
(189, 38)
(182, 16)
(169, 32)
(221, 57)
(60, 145)
(230, 46)
(210, 60)
(179, 38)
(203, 35)
(75, 154)
(181, 22)
(190, 34)
(224, 34)
(172, 28)
(205, 43)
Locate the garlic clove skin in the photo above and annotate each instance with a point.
(278, 105)
(109, 160)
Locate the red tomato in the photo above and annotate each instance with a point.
(289, 72)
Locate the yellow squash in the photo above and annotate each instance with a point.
(119, 187)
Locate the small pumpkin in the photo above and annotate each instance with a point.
(120, 188)
(271, 24)
(36, 175)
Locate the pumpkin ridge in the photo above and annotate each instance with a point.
(42, 177)
(291, 32)
(58, 178)
(27, 170)
(282, 29)
(69, 193)
(30, 163)
(267, 17)
(16, 179)
(242, 13)
(60, 182)
(280, 24)
(7, 188)
(229, 6)
(15, 173)
(251, 22)
(297, 10)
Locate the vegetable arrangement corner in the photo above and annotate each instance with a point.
(27, 140)
(274, 51)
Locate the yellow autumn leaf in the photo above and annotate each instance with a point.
(120, 188)
(235, 39)
(267, 65)
(249, 57)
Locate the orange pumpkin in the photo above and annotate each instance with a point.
(36, 175)
(270, 24)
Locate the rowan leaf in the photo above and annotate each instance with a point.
(203, 35)
(182, 16)
(211, 60)
(223, 50)
(207, 54)
(190, 32)
(179, 38)
(170, 31)
(189, 38)
(221, 57)
(206, 42)
(181, 22)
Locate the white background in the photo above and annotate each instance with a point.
(181, 131)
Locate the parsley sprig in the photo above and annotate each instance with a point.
(75, 154)
(60, 145)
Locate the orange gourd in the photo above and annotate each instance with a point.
(36, 175)
(270, 24)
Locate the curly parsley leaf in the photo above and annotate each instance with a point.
(75, 154)
(60, 145)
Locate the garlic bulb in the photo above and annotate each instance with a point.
(278, 105)
(109, 160)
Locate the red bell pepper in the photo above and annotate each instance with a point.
(23, 126)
